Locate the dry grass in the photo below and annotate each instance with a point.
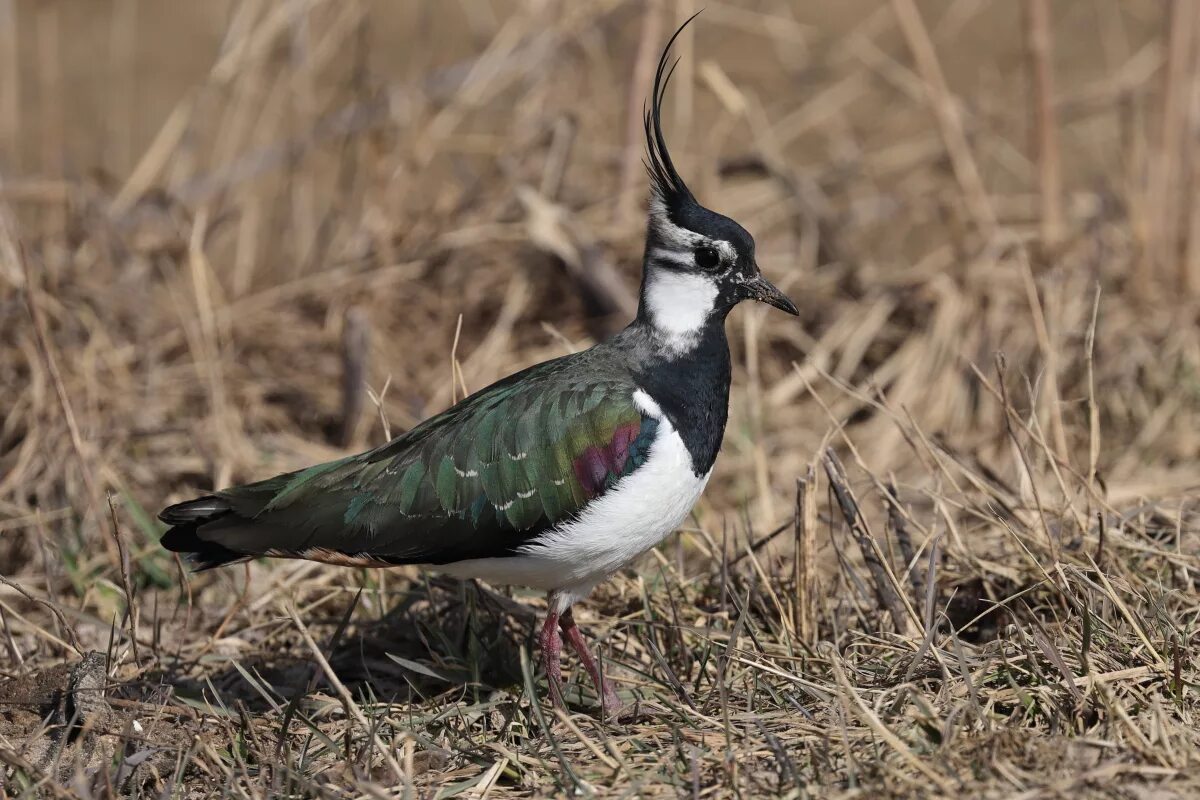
(234, 217)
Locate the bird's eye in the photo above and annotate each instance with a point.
(707, 257)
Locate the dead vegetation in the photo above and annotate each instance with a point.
(952, 545)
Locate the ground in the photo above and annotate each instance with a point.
(952, 543)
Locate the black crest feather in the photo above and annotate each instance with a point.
(665, 181)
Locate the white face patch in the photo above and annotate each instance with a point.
(678, 304)
(681, 258)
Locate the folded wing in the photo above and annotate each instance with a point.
(477, 481)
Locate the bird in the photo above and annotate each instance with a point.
(555, 477)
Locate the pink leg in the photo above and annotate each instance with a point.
(551, 646)
(609, 701)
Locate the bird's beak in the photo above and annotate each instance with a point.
(761, 289)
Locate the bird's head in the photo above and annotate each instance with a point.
(698, 264)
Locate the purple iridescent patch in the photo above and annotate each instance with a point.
(595, 464)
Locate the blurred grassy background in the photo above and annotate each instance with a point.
(261, 234)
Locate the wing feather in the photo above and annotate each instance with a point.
(479, 480)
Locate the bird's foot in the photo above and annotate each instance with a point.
(631, 712)
(616, 710)
(611, 705)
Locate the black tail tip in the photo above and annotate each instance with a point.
(200, 554)
(183, 537)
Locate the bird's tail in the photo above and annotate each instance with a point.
(185, 518)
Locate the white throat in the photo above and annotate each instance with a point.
(678, 305)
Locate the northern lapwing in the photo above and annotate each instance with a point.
(553, 478)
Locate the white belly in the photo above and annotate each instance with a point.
(622, 524)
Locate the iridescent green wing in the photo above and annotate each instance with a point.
(477, 481)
